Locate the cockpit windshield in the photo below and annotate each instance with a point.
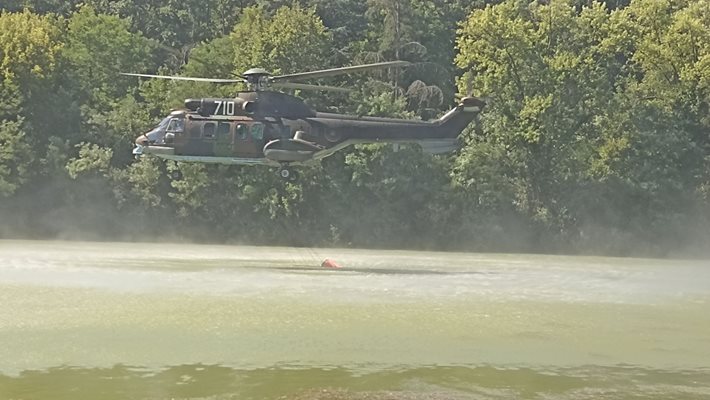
(157, 134)
(164, 123)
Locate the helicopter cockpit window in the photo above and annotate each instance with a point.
(208, 129)
(257, 131)
(158, 133)
(242, 131)
(176, 125)
(164, 122)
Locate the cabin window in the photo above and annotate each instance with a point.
(176, 125)
(223, 129)
(257, 131)
(242, 131)
(208, 129)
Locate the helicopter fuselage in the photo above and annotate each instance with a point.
(274, 129)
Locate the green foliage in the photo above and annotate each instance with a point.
(345, 19)
(397, 196)
(15, 157)
(397, 27)
(214, 59)
(293, 39)
(190, 187)
(422, 32)
(91, 159)
(550, 73)
(144, 180)
(28, 46)
(580, 95)
(29, 49)
(63, 7)
(379, 103)
(594, 139)
(11, 99)
(98, 48)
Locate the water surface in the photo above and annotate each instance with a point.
(116, 320)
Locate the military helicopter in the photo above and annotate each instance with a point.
(264, 127)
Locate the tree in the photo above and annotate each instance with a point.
(99, 47)
(62, 7)
(292, 40)
(28, 50)
(178, 25)
(590, 102)
(345, 19)
(15, 157)
(663, 149)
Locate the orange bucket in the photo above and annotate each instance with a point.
(328, 263)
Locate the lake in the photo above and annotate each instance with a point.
(88, 320)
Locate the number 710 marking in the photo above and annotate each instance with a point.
(226, 107)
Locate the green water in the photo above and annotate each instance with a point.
(158, 321)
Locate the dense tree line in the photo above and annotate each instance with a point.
(596, 137)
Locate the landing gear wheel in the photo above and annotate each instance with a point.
(285, 173)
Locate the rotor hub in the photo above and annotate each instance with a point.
(257, 79)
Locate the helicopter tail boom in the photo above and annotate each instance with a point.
(376, 129)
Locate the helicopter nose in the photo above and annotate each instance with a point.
(142, 140)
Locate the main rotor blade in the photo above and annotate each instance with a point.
(185, 78)
(305, 86)
(338, 71)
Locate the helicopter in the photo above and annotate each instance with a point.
(260, 126)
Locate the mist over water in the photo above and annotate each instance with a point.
(114, 320)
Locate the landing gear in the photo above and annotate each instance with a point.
(287, 174)
(284, 173)
(175, 175)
